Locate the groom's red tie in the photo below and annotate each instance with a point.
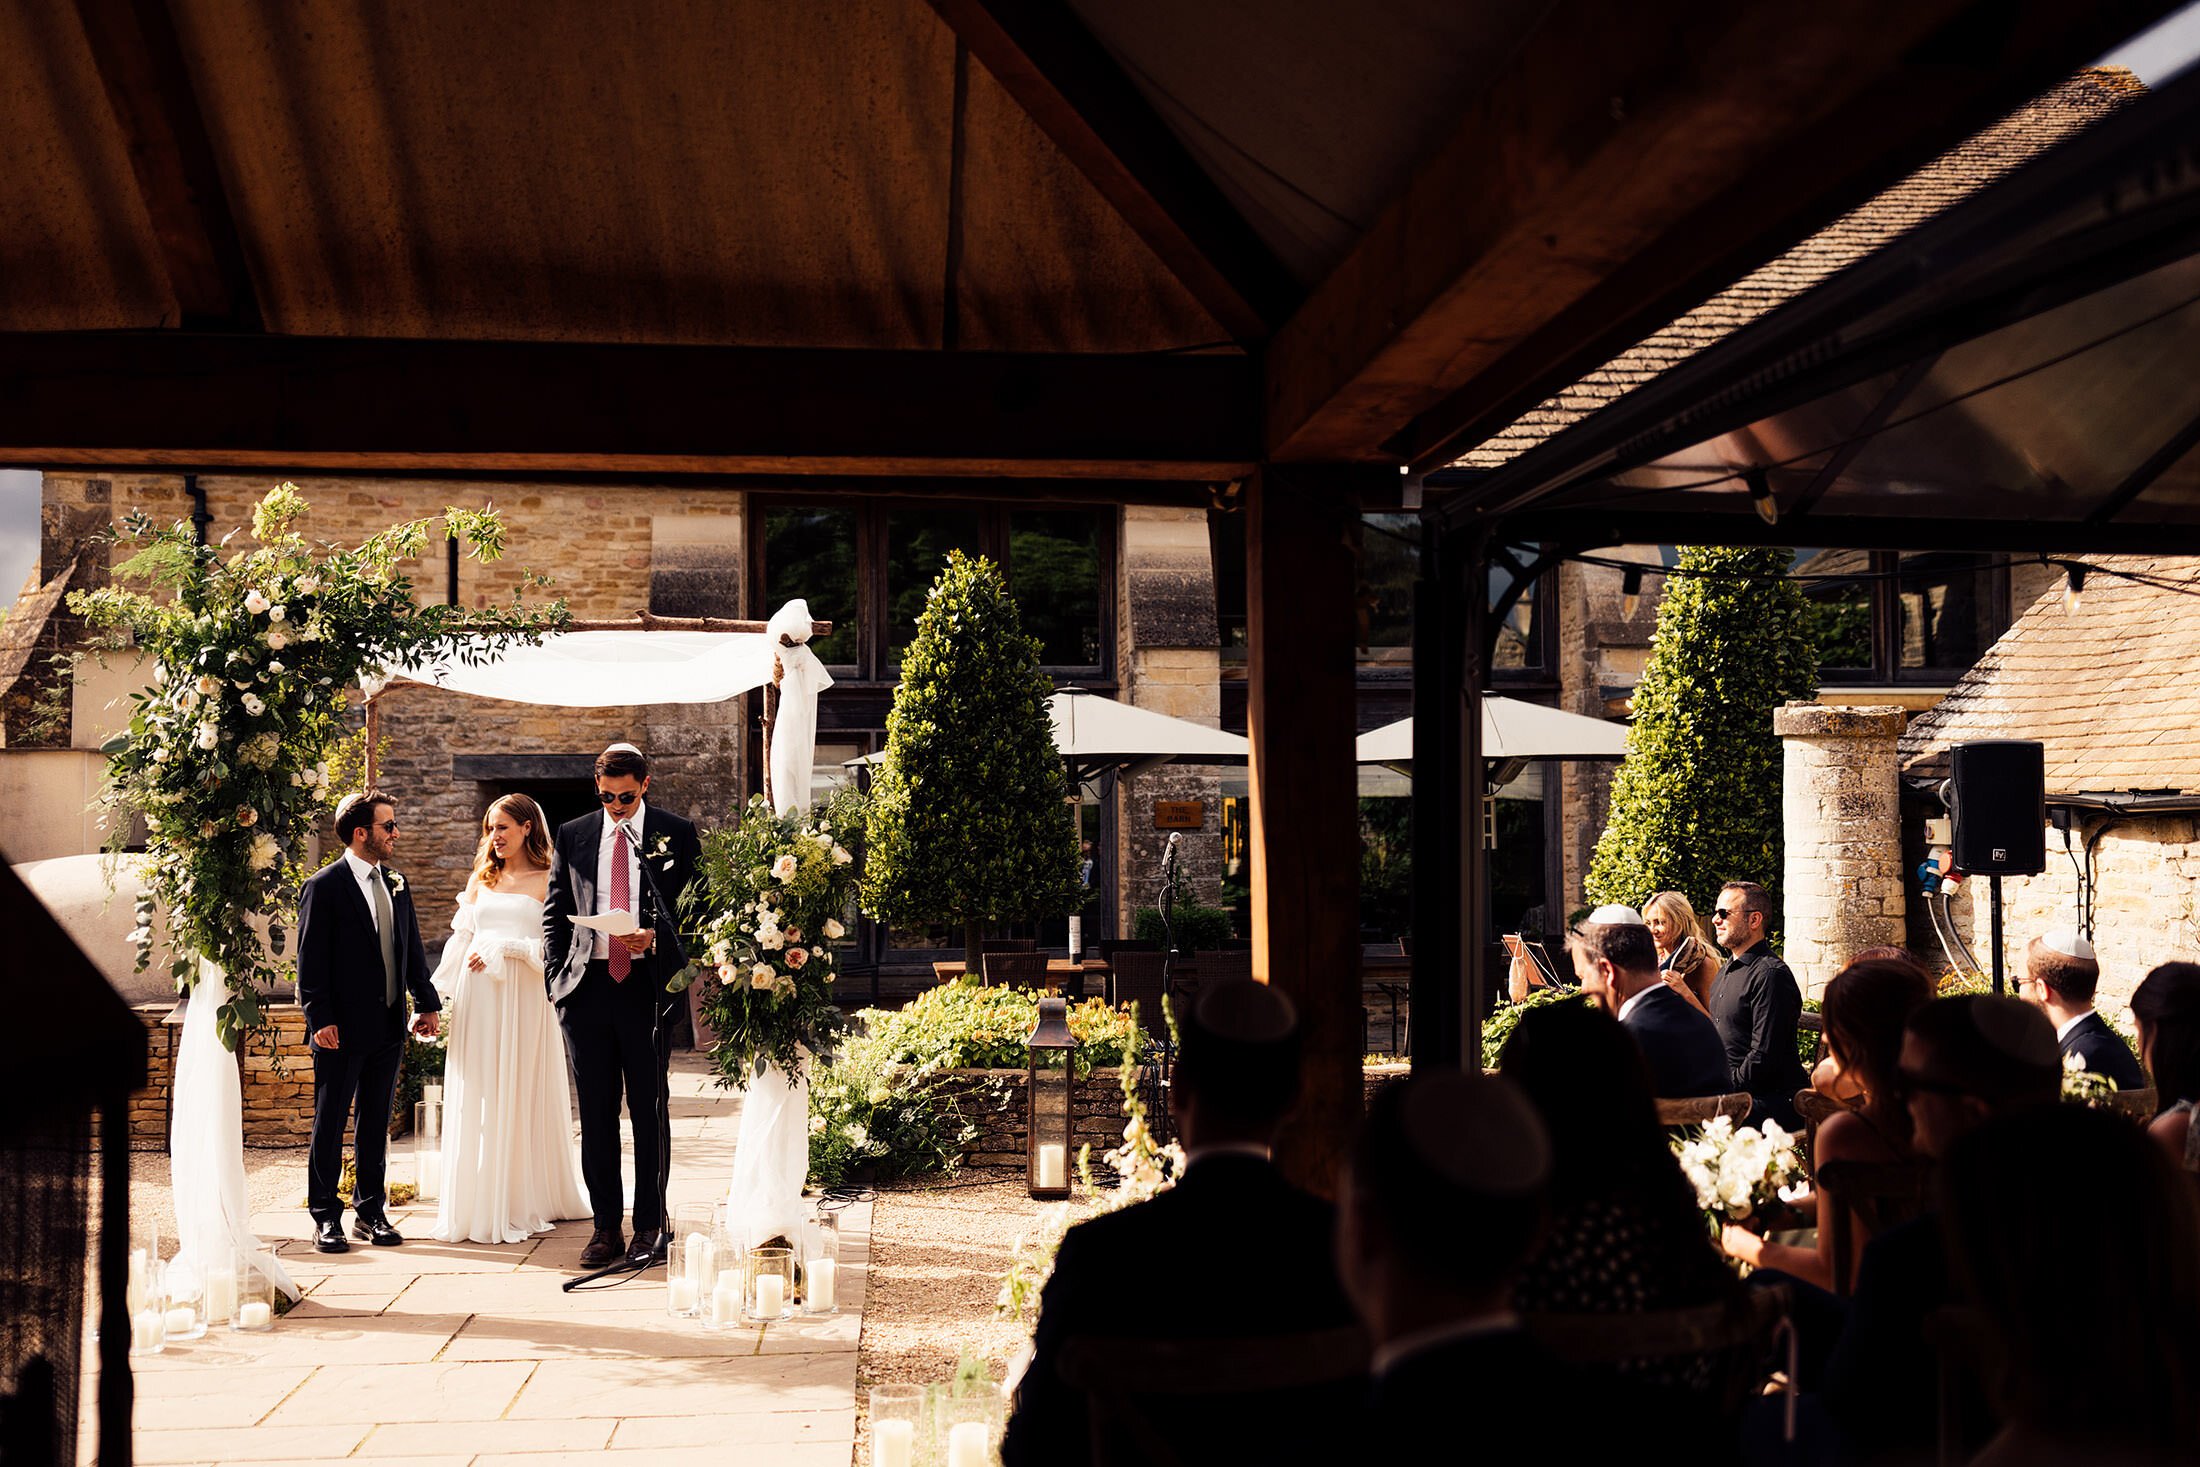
(621, 961)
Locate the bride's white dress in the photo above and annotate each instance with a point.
(509, 1167)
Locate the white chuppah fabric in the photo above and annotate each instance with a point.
(607, 669)
(206, 1148)
(771, 1154)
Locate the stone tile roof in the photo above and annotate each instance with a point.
(1960, 172)
(25, 622)
(2109, 690)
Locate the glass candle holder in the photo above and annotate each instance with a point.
(771, 1285)
(221, 1289)
(971, 1425)
(186, 1315)
(726, 1301)
(144, 1258)
(149, 1312)
(897, 1413)
(820, 1243)
(691, 1262)
(428, 1145)
(255, 1299)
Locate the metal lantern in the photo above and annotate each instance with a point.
(1050, 1120)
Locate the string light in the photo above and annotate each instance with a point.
(1760, 494)
(2073, 587)
(1630, 593)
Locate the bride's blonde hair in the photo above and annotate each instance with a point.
(488, 865)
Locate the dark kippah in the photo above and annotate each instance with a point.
(1477, 1134)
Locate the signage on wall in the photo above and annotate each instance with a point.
(1179, 814)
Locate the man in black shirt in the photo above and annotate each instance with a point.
(1756, 1004)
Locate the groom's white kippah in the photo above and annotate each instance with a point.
(621, 747)
(2070, 943)
(1614, 915)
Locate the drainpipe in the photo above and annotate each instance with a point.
(202, 519)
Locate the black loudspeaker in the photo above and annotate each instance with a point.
(1997, 797)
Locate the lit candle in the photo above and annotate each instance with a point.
(685, 1292)
(254, 1315)
(771, 1295)
(967, 1446)
(180, 1319)
(1053, 1166)
(893, 1443)
(725, 1300)
(148, 1330)
(695, 1259)
(141, 1278)
(221, 1297)
(823, 1284)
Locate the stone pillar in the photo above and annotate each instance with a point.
(1843, 886)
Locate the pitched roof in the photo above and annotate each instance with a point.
(2108, 689)
(23, 624)
(1957, 174)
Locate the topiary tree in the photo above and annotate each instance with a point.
(1697, 800)
(968, 822)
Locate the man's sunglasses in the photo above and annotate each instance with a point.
(1723, 914)
(625, 797)
(388, 825)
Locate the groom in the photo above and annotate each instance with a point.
(359, 954)
(610, 991)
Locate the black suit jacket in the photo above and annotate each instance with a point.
(2104, 1052)
(1679, 1044)
(670, 852)
(1233, 1250)
(1500, 1397)
(340, 978)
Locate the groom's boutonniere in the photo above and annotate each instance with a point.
(396, 879)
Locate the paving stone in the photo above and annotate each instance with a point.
(442, 1390)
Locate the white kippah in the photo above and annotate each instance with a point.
(621, 747)
(2070, 943)
(1614, 915)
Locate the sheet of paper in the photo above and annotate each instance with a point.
(613, 924)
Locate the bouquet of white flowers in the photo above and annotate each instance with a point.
(1736, 1170)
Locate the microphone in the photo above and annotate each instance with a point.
(1168, 854)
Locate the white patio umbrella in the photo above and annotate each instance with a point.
(1511, 729)
(1094, 734)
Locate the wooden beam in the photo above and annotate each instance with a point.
(1045, 58)
(1301, 530)
(176, 399)
(1633, 160)
(141, 67)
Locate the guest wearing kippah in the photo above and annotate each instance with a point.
(2167, 1006)
(1616, 962)
(2061, 973)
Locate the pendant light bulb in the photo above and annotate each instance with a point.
(1760, 494)
(1630, 594)
(2073, 588)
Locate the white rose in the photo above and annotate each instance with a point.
(254, 602)
(307, 585)
(761, 976)
(264, 852)
(783, 869)
(209, 736)
(208, 685)
(277, 613)
(276, 665)
(841, 857)
(276, 642)
(817, 952)
(834, 930)
(160, 755)
(770, 939)
(254, 704)
(297, 780)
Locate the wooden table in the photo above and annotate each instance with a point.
(1057, 969)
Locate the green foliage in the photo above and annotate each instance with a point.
(963, 1025)
(1498, 1027)
(872, 1112)
(1198, 928)
(1808, 1040)
(1386, 866)
(255, 658)
(1697, 800)
(968, 821)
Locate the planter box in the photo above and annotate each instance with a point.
(993, 1101)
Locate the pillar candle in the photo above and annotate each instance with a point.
(141, 1279)
(771, 1295)
(255, 1316)
(148, 1330)
(695, 1258)
(967, 1446)
(1053, 1166)
(893, 1443)
(685, 1294)
(725, 1300)
(824, 1284)
(180, 1319)
(221, 1297)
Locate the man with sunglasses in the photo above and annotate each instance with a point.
(1757, 1005)
(610, 991)
(359, 956)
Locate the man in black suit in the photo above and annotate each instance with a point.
(610, 991)
(2061, 974)
(1617, 964)
(1253, 1255)
(1757, 1005)
(359, 955)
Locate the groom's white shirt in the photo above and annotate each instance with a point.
(366, 873)
(602, 947)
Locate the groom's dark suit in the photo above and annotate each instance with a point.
(341, 982)
(615, 1029)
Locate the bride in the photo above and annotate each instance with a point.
(508, 1165)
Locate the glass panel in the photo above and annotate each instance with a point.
(917, 542)
(811, 553)
(1519, 639)
(1386, 869)
(1949, 615)
(1840, 609)
(1390, 561)
(1054, 564)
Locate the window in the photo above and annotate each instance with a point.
(810, 552)
(1055, 560)
(917, 546)
(1890, 618)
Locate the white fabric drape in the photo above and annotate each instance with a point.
(604, 669)
(206, 1148)
(771, 1154)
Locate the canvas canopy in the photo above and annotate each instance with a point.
(1094, 734)
(1511, 729)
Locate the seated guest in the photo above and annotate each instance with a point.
(1443, 1204)
(1867, 1007)
(2060, 975)
(2103, 1367)
(1826, 1077)
(1236, 1078)
(1625, 1235)
(1684, 948)
(2167, 1006)
(1964, 1061)
(1617, 964)
(1757, 1005)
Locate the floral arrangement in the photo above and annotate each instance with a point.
(255, 654)
(873, 1113)
(1737, 1170)
(2081, 1086)
(769, 901)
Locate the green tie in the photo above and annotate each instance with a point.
(386, 926)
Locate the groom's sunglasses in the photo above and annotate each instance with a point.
(388, 825)
(626, 797)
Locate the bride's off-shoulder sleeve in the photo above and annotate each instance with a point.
(453, 964)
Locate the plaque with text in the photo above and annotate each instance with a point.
(1179, 814)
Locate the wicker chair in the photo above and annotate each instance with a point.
(1140, 1390)
(2140, 1105)
(1138, 981)
(1014, 969)
(1694, 1110)
(1873, 1195)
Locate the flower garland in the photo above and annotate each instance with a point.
(769, 900)
(227, 754)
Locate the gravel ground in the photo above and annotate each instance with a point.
(274, 1181)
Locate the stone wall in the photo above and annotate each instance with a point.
(149, 1107)
(1841, 809)
(276, 1075)
(993, 1101)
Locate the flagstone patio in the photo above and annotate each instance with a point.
(453, 1354)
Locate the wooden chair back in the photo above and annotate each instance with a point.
(1138, 978)
(1007, 945)
(1738, 1333)
(1140, 1392)
(1814, 1107)
(2138, 1104)
(1870, 1195)
(1695, 1110)
(1107, 947)
(1018, 969)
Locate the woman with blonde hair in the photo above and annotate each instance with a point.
(509, 1169)
(1685, 957)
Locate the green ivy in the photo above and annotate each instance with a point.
(1697, 800)
(968, 823)
(1498, 1027)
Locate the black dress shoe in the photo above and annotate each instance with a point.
(376, 1230)
(649, 1247)
(604, 1245)
(328, 1237)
